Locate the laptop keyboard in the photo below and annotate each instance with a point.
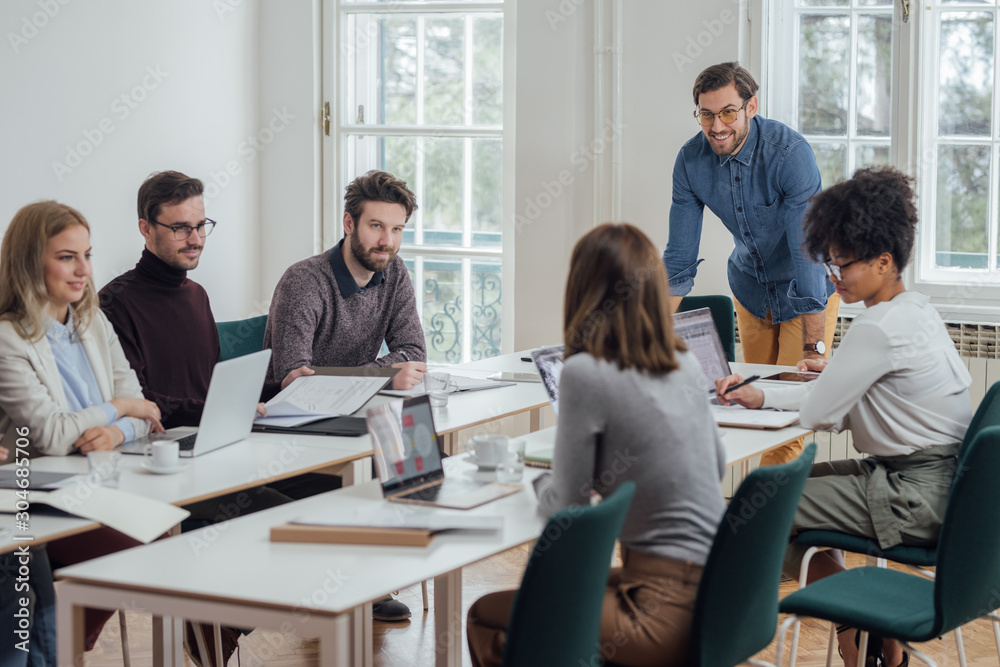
(187, 442)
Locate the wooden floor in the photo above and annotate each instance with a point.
(412, 643)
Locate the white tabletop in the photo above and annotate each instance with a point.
(261, 458)
(294, 572)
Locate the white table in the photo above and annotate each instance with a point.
(740, 444)
(312, 589)
(261, 458)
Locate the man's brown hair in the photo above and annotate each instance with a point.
(616, 305)
(723, 74)
(377, 186)
(166, 188)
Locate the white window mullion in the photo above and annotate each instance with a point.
(466, 309)
(852, 94)
(467, 143)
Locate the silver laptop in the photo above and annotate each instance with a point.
(697, 329)
(230, 408)
(408, 459)
(549, 362)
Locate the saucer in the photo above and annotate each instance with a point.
(165, 471)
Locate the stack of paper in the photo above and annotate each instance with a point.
(315, 397)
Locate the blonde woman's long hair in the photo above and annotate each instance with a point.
(23, 296)
(616, 305)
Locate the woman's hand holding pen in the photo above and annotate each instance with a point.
(748, 395)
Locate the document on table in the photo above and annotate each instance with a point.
(140, 518)
(319, 397)
(460, 382)
(740, 417)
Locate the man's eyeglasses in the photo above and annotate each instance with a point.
(836, 271)
(181, 232)
(727, 116)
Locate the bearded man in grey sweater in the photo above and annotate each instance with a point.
(336, 308)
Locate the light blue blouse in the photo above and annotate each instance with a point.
(78, 380)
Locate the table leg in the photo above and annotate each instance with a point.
(362, 639)
(168, 641)
(535, 420)
(451, 443)
(356, 472)
(448, 619)
(335, 646)
(69, 619)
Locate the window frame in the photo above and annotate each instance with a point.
(337, 77)
(959, 294)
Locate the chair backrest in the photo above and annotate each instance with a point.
(722, 314)
(241, 337)
(738, 593)
(987, 414)
(556, 616)
(967, 577)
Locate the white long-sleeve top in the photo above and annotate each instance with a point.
(896, 381)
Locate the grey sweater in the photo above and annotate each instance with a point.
(656, 430)
(311, 323)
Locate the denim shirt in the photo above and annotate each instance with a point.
(760, 194)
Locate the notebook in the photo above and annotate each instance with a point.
(230, 408)
(408, 459)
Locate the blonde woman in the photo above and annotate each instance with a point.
(65, 385)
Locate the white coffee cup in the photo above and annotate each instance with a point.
(164, 454)
(486, 449)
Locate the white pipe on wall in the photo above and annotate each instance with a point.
(598, 108)
(616, 113)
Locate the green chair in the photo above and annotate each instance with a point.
(722, 314)
(736, 611)
(569, 564)
(912, 608)
(240, 337)
(919, 558)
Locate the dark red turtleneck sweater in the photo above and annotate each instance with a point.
(165, 324)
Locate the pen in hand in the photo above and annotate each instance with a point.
(752, 378)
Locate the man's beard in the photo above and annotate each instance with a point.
(365, 258)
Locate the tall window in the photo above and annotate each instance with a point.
(421, 96)
(960, 137)
(831, 79)
(933, 112)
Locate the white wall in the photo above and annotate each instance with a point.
(229, 64)
(63, 84)
(555, 124)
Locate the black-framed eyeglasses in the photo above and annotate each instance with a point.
(836, 271)
(728, 116)
(182, 232)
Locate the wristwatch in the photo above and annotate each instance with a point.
(818, 347)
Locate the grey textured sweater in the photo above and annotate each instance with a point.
(656, 430)
(311, 323)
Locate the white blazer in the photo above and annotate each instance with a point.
(31, 390)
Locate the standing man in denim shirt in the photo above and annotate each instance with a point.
(757, 175)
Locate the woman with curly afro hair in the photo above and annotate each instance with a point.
(896, 382)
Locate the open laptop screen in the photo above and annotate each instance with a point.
(405, 443)
(697, 329)
(549, 362)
